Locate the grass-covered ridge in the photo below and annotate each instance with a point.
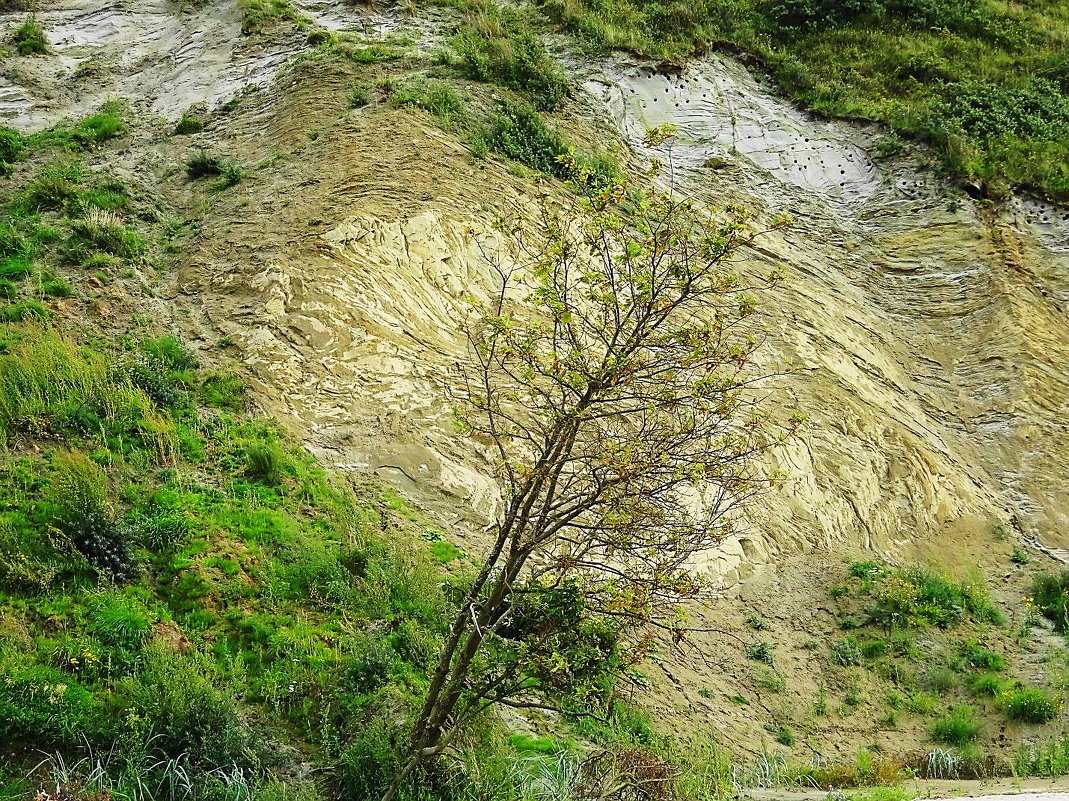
(985, 82)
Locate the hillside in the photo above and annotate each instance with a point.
(236, 242)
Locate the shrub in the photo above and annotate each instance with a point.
(1032, 705)
(100, 127)
(264, 462)
(760, 652)
(182, 701)
(1050, 592)
(105, 231)
(44, 706)
(24, 310)
(78, 494)
(12, 147)
(203, 165)
(370, 760)
(230, 174)
(846, 652)
(519, 133)
(957, 727)
(988, 684)
(510, 54)
(974, 656)
(358, 96)
(188, 124)
(30, 38)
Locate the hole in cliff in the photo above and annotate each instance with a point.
(747, 548)
(974, 189)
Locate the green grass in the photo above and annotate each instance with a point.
(30, 38)
(501, 46)
(257, 15)
(958, 727)
(435, 96)
(984, 83)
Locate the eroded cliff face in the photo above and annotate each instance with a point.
(930, 332)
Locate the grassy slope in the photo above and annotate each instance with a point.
(985, 82)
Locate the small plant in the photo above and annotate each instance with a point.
(846, 652)
(760, 652)
(784, 736)
(770, 679)
(756, 623)
(922, 704)
(188, 124)
(30, 38)
(975, 656)
(203, 165)
(1020, 557)
(1032, 705)
(958, 727)
(230, 174)
(358, 96)
(264, 462)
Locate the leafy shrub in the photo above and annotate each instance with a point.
(846, 652)
(974, 656)
(1050, 592)
(957, 727)
(42, 705)
(370, 760)
(358, 96)
(182, 702)
(760, 652)
(24, 310)
(509, 53)
(263, 462)
(1032, 705)
(230, 174)
(100, 127)
(30, 38)
(78, 494)
(203, 165)
(12, 147)
(1038, 109)
(920, 596)
(988, 684)
(519, 133)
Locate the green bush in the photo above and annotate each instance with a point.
(102, 231)
(358, 96)
(509, 53)
(188, 124)
(203, 165)
(264, 461)
(974, 656)
(1032, 705)
(958, 727)
(1050, 592)
(183, 703)
(370, 760)
(30, 38)
(44, 706)
(78, 494)
(519, 133)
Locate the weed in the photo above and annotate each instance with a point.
(958, 727)
(188, 124)
(760, 652)
(1032, 705)
(358, 96)
(756, 623)
(30, 38)
(1020, 557)
(435, 96)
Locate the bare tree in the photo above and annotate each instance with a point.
(617, 400)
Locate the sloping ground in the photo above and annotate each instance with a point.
(931, 332)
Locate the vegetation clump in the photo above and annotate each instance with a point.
(30, 38)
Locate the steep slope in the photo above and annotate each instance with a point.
(929, 331)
